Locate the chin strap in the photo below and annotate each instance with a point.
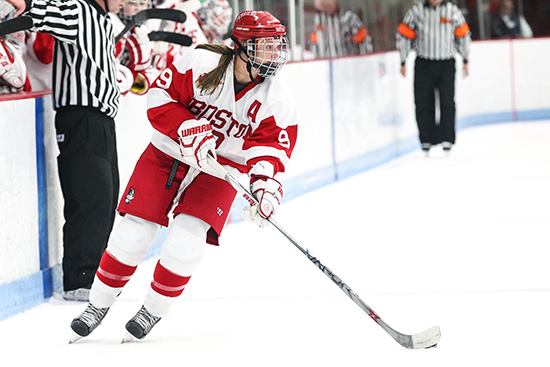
(248, 62)
(234, 39)
(249, 68)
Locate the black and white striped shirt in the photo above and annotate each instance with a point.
(84, 71)
(434, 33)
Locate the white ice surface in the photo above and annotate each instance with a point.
(459, 241)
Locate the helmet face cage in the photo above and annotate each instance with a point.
(215, 16)
(267, 55)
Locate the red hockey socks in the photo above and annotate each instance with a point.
(113, 273)
(167, 283)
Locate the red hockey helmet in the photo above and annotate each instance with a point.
(257, 24)
(254, 32)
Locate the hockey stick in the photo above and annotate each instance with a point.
(165, 14)
(426, 339)
(15, 25)
(171, 37)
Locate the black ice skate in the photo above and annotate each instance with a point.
(87, 322)
(140, 325)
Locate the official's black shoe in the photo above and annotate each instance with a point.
(80, 294)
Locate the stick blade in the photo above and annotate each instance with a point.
(171, 37)
(165, 14)
(15, 25)
(427, 339)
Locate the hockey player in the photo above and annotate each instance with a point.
(38, 57)
(133, 51)
(207, 24)
(13, 71)
(214, 18)
(215, 100)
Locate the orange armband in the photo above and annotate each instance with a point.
(404, 30)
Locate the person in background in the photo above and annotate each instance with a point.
(326, 39)
(207, 22)
(214, 19)
(86, 99)
(506, 23)
(38, 57)
(219, 101)
(13, 70)
(133, 51)
(436, 30)
(356, 37)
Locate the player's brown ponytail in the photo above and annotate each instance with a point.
(208, 83)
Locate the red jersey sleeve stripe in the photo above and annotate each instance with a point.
(167, 101)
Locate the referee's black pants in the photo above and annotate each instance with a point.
(430, 75)
(89, 177)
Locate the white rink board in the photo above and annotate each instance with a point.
(18, 191)
(309, 88)
(532, 58)
(369, 113)
(488, 87)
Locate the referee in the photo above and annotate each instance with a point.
(435, 29)
(86, 98)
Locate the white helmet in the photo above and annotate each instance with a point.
(215, 17)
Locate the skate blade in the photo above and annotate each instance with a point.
(74, 338)
(128, 338)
